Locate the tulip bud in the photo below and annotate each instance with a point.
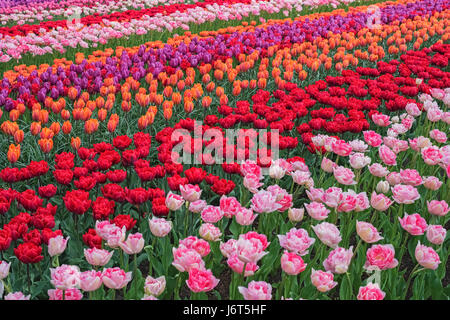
(296, 215)
(383, 187)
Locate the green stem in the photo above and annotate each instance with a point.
(411, 275)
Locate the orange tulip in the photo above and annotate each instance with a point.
(176, 98)
(65, 114)
(47, 133)
(43, 116)
(13, 153)
(91, 126)
(112, 124)
(67, 127)
(35, 128)
(167, 92)
(46, 145)
(72, 93)
(14, 115)
(188, 106)
(101, 114)
(18, 136)
(168, 113)
(223, 99)
(126, 106)
(210, 86)
(75, 143)
(206, 101)
(55, 127)
(142, 122)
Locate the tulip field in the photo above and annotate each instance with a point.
(224, 149)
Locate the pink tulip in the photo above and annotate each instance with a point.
(317, 210)
(438, 135)
(436, 234)
(97, 257)
(414, 224)
(154, 286)
(341, 148)
(197, 206)
(252, 183)
(381, 120)
(382, 187)
(276, 172)
(411, 177)
(250, 250)
(358, 145)
(431, 155)
(292, 263)
(201, 280)
(297, 241)
(102, 228)
(65, 277)
(347, 202)
(265, 202)
(338, 260)
(412, 109)
(184, 259)
(371, 291)
(115, 278)
(427, 257)
(228, 248)
(296, 215)
(212, 214)
(57, 245)
(404, 194)
(134, 243)
(245, 217)
(359, 160)
(115, 236)
(344, 175)
(4, 269)
(201, 246)
(315, 194)
(327, 165)
(387, 155)
(378, 170)
(174, 201)
(367, 232)
(69, 294)
(394, 178)
(190, 192)
(322, 280)
(237, 265)
(257, 290)
(18, 295)
(90, 280)
(438, 208)
(160, 227)
(229, 206)
(328, 233)
(380, 202)
(209, 232)
(432, 183)
(250, 167)
(380, 257)
(372, 138)
(332, 197)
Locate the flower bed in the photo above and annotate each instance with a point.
(295, 159)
